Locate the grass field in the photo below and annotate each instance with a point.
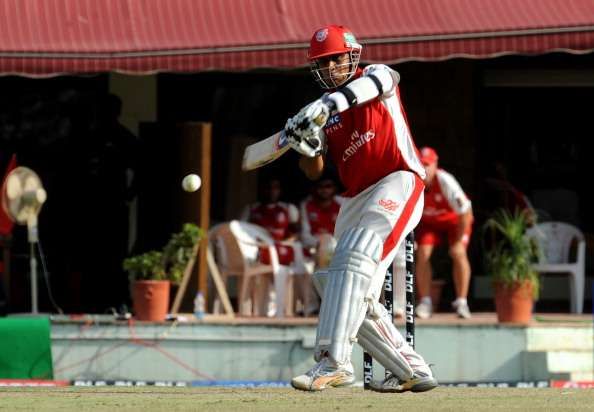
(351, 399)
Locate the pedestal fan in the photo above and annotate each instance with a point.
(22, 198)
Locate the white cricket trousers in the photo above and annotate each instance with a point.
(391, 208)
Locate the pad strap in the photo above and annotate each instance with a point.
(378, 336)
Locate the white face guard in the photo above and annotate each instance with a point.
(326, 80)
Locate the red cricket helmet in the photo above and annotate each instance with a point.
(333, 40)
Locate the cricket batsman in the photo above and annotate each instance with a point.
(364, 132)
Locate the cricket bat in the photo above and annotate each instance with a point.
(268, 150)
(265, 151)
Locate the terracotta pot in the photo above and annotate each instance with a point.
(514, 303)
(150, 299)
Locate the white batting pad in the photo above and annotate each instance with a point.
(345, 302)
(378, 336)
(320, 279)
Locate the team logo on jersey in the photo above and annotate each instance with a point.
(321, 35)
(357, 141)
(388, 204)
(438, 197)
(332, 120)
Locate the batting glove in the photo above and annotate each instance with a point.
(304, 131)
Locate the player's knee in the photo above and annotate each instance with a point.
(357, 243)
(458, 251)
(424, 253)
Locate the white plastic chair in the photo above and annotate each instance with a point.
(251, 237)
(238, 257)
(555, 240)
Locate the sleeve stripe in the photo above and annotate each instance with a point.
(377, 83)
(349, 95)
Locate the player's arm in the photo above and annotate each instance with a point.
(377, 80)
(464, 223)
(312, 166)
(458, 201)
(304, 131)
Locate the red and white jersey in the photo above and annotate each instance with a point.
(317, 220)
(372, 140)
(444, 200)
(275, 217)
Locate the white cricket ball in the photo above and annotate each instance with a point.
(191, 183)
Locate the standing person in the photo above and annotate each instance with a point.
(447, 212)
(361, 127)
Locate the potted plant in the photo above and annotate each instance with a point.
(180, 249)
(152, 273)
(509, 256)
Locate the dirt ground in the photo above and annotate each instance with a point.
(351, 399)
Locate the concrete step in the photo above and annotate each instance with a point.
(568, 338)
(557, 364)
(573, 376)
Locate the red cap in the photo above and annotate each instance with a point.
(331, 40)
(428, 156)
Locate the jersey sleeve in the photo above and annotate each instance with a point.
(377, 80)
(453, 192)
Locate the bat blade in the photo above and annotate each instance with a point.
(265, 151)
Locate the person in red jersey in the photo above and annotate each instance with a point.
(318, 217)
(319, 212)
(281, 220)
(360, 126)
(447, 213)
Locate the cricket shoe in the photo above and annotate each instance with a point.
(420, 382)
(462, 309)
(424, 310)
(325, 374)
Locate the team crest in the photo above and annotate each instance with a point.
(349, 38)
(388, 204)
(321, 35)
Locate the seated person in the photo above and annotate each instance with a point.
(447, 212)
(318, 214)
(281, 220)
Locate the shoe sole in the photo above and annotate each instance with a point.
(424, 386)
(421, 386)
(338, 383)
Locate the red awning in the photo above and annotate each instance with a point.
(44, 37)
